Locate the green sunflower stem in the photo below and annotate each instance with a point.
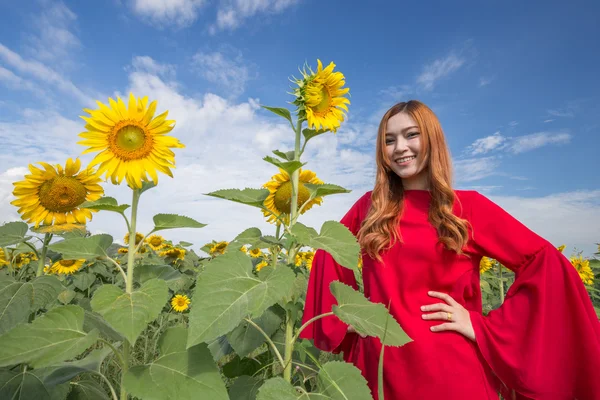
(295, 176)
(42, 259)
(501, 284)
(289, 346)
(132, 244)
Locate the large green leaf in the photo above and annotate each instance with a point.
(87, 389)
(245, 338)
(366, 317)
(279, 389)
(334, 238)
(251, 197)
(83, 248)
(178, 373)
(105, 204)
(54, 337)
(338, 380)
(175, 279)
(129, 313)
(282, 112)
(287, 166)
(227, 292)
(323, 190)
(251, 236)
(64, 372)
(84, 280)
(94, 320)
(311, 133)
(172, 221)
(245, 388)
(288, 155)
(26, 385)
(12, 233)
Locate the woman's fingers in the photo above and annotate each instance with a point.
(448, 326)
(438, 315)
(446, 297)
(437, 307)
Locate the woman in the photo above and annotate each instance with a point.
(422, 243)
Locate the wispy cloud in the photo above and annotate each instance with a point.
(513, 123)
(163, 13)
(548, 120)
(232, 13)
(473, 169)
(400, 92)
(484, 81)
(227, 69)
(515, 145)
(487, 144)
(439, 69)
(149, 65)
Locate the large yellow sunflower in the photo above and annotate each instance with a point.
(320, 97)
(583, 269)
(279, 200)
(66, 266)
(52, 195)
(131, 142)
(173, 252)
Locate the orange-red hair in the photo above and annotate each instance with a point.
(378, 231)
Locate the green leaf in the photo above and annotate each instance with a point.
(241, 366)
(334, 238)
(129, 313)
(105, 204)
(324, 190)
(83, 248)
(245, 388)
(251, 197)
(219, 348)
(227, 292)
(287, 166)
(185, 244)
(64, 372)
(87, 389)
(341, 381)
(251, 236)
(175, 279)
(54, 337)
(45, 290)
(66, 296)
(288, 155)
(311, 133)
(83, 280)
(279, 389)
(366, 317)
(147, 185)
(245, 338)
(172, 221)
(12, 233)
(94, 320)
(178, 373)
(282, 112)
(27, 385)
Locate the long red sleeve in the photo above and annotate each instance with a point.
(544, 341)
(329, 332)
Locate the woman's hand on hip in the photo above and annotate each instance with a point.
(456, 316)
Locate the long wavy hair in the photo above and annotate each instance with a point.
(379, 229)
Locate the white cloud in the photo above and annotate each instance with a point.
(439, 69)
(483, 81)
(232, 13)
(513, 123)
(548, 120)
(16, 82)
(399, 93)
(487, 144)
(536, 140)
(228, 71)
(561, 113)
(473, 169)
(151, 66)
(180, 13)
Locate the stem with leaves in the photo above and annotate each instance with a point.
(42, 258)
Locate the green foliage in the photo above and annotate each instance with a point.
(324, 190)
(12, 233)
(251, 197)
(83, 248)
(282, 112)
(23, 385)
(287, 166)
(105, 204)
(172, 221)
(340, 381)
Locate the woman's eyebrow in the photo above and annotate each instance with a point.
(403, 130)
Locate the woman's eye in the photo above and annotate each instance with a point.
(413, 134)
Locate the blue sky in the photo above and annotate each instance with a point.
(515, 86)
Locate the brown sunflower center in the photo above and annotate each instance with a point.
(62, 194)
(130, 141)
(156, 241)
(180, 302)
(67, 263)
(325, 102)
(283, 197)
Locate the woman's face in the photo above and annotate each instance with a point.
(403, 147)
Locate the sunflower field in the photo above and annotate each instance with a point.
(83, 317)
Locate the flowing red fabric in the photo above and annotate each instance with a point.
(542, 343)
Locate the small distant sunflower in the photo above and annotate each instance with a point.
(583, 269)
(244, 249)
(131, 141)
(123, 250)
(173, 252)
(360, 262)
(320, 97)
(138, 238)
(255, 253)
(561, 248)
(261, 265)
(279, 200)
(155, 242)
(485, 264)
(67, 266)
(53, 195)
(299, 259)
(3, 260)
(22, 259)
(48, 270)
(180, 302)
(308, 259)
(218, 248)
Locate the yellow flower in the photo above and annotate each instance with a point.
(180, 302)
(561, 248)
(360, 261)
(123, 250)
(244, 250)
(320, 97)
(67, 266)
(174, 252)
(48, 270)
(138, 238)
(53, 195)
(299, 258)
(261, 265)
(60, 229)
(279, 200)
(485, 264)
(3, 260)
(22, 259)
(255, 253)
(218, 248)
(155, 242)
(132, 143)
(583, 269)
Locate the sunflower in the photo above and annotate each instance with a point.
(180, 302)
(320, 97)
(218, 248)
(22, 259)
(244, 249)
(52, 195)
(174, 252)
(130, 141)
(583, 269)
(123, 250)
(485, 264)
(138, 238)
(3, 260)
(279, 200)
(67, 266)
(310, 255)
(48, 270)
(60, 229)
(561, 248)
(155, 242)
(255, 253)
(299, 259)
(261, 265)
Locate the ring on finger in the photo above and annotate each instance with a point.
(449, 316)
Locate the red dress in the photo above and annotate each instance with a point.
(543, 342)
